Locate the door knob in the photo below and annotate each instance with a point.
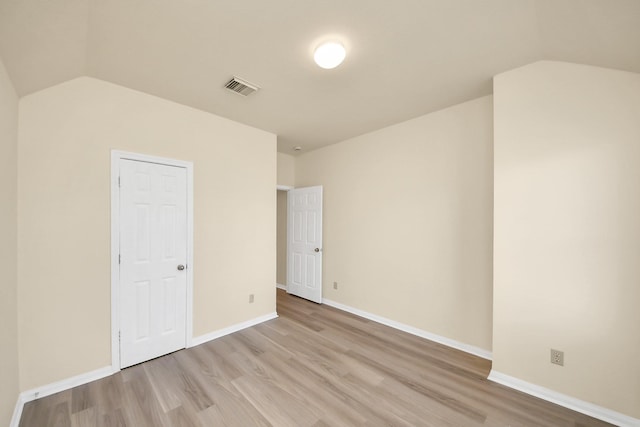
(317, 250)
(180, 267)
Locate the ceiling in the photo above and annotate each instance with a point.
(405, 58)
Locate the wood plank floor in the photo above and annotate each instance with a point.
(313, 366)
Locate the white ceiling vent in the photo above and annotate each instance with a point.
(241, 87)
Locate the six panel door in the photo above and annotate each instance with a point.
(153, 254)
(304, 243)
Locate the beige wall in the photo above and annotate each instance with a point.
(281, 269)
(408, 221)
(66, 134)
(567, 230)
(286, 170)
(8, 260)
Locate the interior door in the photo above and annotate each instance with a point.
(153, 253)
(304, 243)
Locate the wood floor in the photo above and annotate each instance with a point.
(313, 366)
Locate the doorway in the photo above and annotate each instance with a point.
(151, 257)
(299, 241)
(281, 239)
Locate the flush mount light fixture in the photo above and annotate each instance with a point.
(329, 55)
(298, 148)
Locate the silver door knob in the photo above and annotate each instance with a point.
(181, 267)
(316, 250)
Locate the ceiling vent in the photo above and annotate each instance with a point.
(241, 87)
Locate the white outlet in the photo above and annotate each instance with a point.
(557, 357)
(335, 285)
(250, 298)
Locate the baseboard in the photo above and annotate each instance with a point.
(231, 329)
(578, 405)
(53, 388)
(47, 390)
(17, 412)
(283, 287)
(476, 351)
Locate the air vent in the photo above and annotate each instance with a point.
(241, 87)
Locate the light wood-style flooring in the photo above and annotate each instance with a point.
(312, 366)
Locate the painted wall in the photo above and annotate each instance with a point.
(281, 269)
(9, 384)
(408, 221)
(286, 170)
(66, 134)
(567, 234)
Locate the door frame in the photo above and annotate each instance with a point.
(286, 189)
(116, 156)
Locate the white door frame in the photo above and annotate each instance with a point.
(116, 156)
(286, 189)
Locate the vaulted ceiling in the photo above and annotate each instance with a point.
(405, 57)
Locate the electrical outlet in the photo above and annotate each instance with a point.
(335, 285)
(557, 357)
(250, 298)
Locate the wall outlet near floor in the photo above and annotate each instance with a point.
(250, 298)
(557, 357)
(335, 285)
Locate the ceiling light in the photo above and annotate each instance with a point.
(298, 148)
(329, 55)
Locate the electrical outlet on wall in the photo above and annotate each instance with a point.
(335, 285)
(250, 298)
(557, 357)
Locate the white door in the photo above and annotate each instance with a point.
(304, 243)
(153, 254)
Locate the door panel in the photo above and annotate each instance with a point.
(304, 243)
(153, 242)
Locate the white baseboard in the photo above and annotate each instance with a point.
(17, 413)
(53, 388)
(283, 287)
(477, 351)
(47, 390)
(231, 329)
(578, 405)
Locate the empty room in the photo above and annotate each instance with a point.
(319, 213)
